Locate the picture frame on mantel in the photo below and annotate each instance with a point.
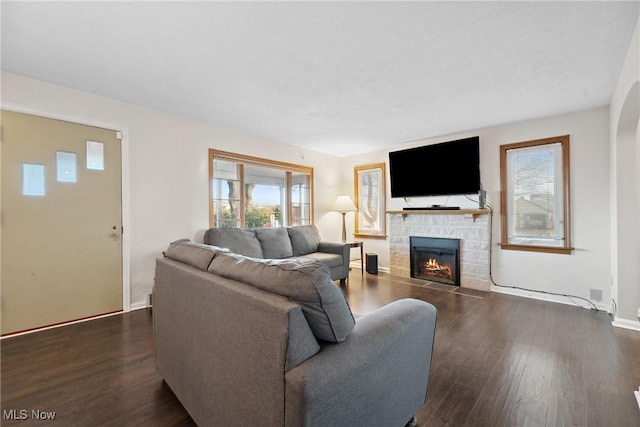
(370, 195)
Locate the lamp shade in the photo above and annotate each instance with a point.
(344, 204)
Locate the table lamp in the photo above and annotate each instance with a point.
(343, 205)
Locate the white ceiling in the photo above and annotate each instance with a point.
(336, 77)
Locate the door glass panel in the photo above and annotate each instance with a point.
(95, 155)
(32, 179)
(66, 166)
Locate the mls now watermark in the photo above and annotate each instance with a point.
(26, 414)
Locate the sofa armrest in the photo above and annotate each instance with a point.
(377, 377)
(341, 249)
(334, 248)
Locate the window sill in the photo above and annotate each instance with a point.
(535, 248)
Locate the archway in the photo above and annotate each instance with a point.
(626, 291)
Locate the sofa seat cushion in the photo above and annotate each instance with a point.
(194, 254)
(304, 239)
(305, 283)
(238, 240)
(330, 260)
(275, 242)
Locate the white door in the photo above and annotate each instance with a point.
(61, 222)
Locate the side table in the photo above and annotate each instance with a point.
(358, 245)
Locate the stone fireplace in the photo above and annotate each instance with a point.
(470, 227)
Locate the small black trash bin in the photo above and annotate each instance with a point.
(372, 263)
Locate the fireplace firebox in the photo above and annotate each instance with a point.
(436, 259)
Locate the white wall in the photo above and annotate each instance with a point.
(166, 182)
(589, 265)
(167, 189)
(625, 184)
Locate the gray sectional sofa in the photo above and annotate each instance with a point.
(248, 342)
(300, 242)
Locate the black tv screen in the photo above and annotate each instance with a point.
(448, 168)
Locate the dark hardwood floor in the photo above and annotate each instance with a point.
(499, 360)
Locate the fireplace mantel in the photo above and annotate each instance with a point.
(442, 211)
(473, 212)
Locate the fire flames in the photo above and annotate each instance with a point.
(433, 268)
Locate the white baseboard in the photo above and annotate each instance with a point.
(550, 297)
(355, 265)
(138, 305)
(634, 325)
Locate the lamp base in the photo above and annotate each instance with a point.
(344, 227)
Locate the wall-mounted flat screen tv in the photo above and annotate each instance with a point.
(448, 168)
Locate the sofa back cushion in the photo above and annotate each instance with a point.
(308, 284)
(238, 240)
(275, 242)
(194, 254)
(304, 239)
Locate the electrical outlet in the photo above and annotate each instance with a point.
(595, 294)
(150, 304)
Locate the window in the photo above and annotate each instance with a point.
(252, 192)
(66, 167)
(95, 155)
(32, 179)
(534, 179)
